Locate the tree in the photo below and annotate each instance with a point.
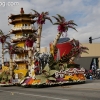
(11, 48)
(63, 26)
(40, 21)
(3, 40)
(77, 50)
(30, 40)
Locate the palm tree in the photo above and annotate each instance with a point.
(77, 50)
(10, 48)
(40, 21)
(30, 40)
(3, 40)
(63, 26)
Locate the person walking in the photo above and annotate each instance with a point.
(94, 69)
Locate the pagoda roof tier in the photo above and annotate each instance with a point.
(21, 51)
(14, 31)
(22, 20)
(13, 16)
(14, 40)
(21, 61)
(18, 40)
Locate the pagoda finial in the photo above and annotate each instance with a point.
(22, 11)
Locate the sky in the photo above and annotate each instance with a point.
(85, 13)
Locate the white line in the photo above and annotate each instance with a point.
(35, 95)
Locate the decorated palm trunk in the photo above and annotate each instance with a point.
(39, 38)
(2, 54)
(72, 60)
(11, 66)
(30, 58)
(56, 39)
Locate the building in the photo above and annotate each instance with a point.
(93, 56)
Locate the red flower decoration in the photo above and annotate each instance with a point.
(29, 42)
(62, 27)
(2, 39)
(41, 19)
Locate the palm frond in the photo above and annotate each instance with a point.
(61, 18)
(7, 34)
(35, 12)
(46, 13)
(34, 21)
(71, 22)
(56, 18)
(66, 29)
(72, 27)
(84, 51)
(49, 19)
(6, 52)
(1, 33)
(85, 48)
(7, 43)
(56, 23)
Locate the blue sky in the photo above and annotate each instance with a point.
(85, 13)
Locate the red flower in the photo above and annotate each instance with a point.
(36, 63)
(29, 42)
(41, 19)
(2, 39)
(62, 27)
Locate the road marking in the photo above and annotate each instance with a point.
(81, 88)
(66, 86)
(34, 95)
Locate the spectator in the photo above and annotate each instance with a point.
(94, 68)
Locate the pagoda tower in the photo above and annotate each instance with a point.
(22, 26)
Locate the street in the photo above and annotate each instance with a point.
(87, 91)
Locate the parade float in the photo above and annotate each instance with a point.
(27, 65)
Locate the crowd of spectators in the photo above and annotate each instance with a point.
(93, 72)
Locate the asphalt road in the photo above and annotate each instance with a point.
(87, 91)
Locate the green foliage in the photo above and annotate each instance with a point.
(9, 77)
(42, 77)
(47, 74)
(46, 68)
(0, 77)
(54, 64)
(5, 77)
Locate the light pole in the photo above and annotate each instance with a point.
(90, 39)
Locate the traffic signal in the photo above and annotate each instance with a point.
(90, 39)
